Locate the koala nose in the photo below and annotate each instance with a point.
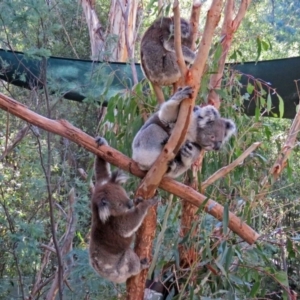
(130, 204)
(217, 145)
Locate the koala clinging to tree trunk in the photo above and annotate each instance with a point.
(115, 219)
(158, 57)
(207, 131)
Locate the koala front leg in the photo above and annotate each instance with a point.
(168, 112)
(102, 168)
(188, 54)
(184, 159)
(132, 220)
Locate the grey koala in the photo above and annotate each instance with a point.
(158, 58)
(207, 131)
(115, 219)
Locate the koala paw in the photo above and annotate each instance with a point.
(138, 200)
(101, 141)
(183, 93)
(144, 263)
(154, 200)
(187, 149)
(172, 165)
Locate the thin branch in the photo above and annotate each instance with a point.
(49, 248)
(18, 138)
(225, 170)
(65, 129)
(288, 146)
(177, 39)
(229, 27)
(194, 21)
(84, 175)
(66, 247)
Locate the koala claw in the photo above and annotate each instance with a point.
(183, 93)
(144, 263)
(187, 149)
(100, 141)
(138, 200)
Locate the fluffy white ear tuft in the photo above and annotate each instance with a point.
(230, 128)
(118, 177)
(206, 115)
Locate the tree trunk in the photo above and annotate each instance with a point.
(110, 44)
(96, 30)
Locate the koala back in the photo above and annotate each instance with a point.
(159, 63)
(110, 203)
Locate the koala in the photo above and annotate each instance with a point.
(115, 219)
(158, 58)
(207, 131)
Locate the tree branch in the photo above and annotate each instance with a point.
(194, 21)
(18, 138)
(177, 40)
(65, 129)
(225, 170)
(230, 26)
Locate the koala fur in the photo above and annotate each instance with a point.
(115, 219)
(158, 57)
(207, 131)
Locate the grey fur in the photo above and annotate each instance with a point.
(115, 219)
(158, 58)
(207, 131)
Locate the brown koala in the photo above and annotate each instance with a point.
(158, 58)
(207, 131)
(115, 219)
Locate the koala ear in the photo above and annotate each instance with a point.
(230, 128)
(205, 115)
(118, 177)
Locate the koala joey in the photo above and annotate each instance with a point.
(207, 131)
(158, 58)
(115, 219)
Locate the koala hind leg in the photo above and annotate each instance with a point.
(129, 265)
(184, 159)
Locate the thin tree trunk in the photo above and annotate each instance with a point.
(96, 30)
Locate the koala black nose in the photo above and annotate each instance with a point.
(130, 204)
(217, 145)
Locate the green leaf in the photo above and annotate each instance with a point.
(258, 44)
(233, 56)
(254, 289)
(269, 102)
(250, 88)
(225, 218)
(290, 248)
(282, 278)
(265, 45)
(281, 106)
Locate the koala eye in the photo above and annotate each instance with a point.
(212, 137)
(103, 202)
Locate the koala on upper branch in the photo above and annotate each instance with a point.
(158, 57)
(115, 219)
(207, 131)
